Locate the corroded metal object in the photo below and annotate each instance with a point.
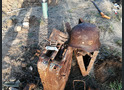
(85, 70)
(85, 87)
(54, 66)
(58, 37)
(85, 36)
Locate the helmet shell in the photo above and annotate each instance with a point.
(85, 36)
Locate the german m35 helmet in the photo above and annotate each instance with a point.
(85, 36)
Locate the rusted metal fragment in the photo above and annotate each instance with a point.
(54, 66)
(58, 37)
(85, 86)
(54, 74)
(81, 64)
(80, 20)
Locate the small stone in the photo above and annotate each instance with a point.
(28, 17)
(19, 5)
(7, 58)
(22, 59)
(18, 28)
(108, 47)
(31, 68)
(25, 24)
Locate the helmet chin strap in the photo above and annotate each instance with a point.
(81, 62)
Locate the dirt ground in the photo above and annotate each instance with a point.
(20, 43)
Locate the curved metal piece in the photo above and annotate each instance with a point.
(85, 36)
(81, 64)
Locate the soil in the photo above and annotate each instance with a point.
(108, 70)
(19, 46)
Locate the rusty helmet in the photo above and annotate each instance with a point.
(85, 36)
